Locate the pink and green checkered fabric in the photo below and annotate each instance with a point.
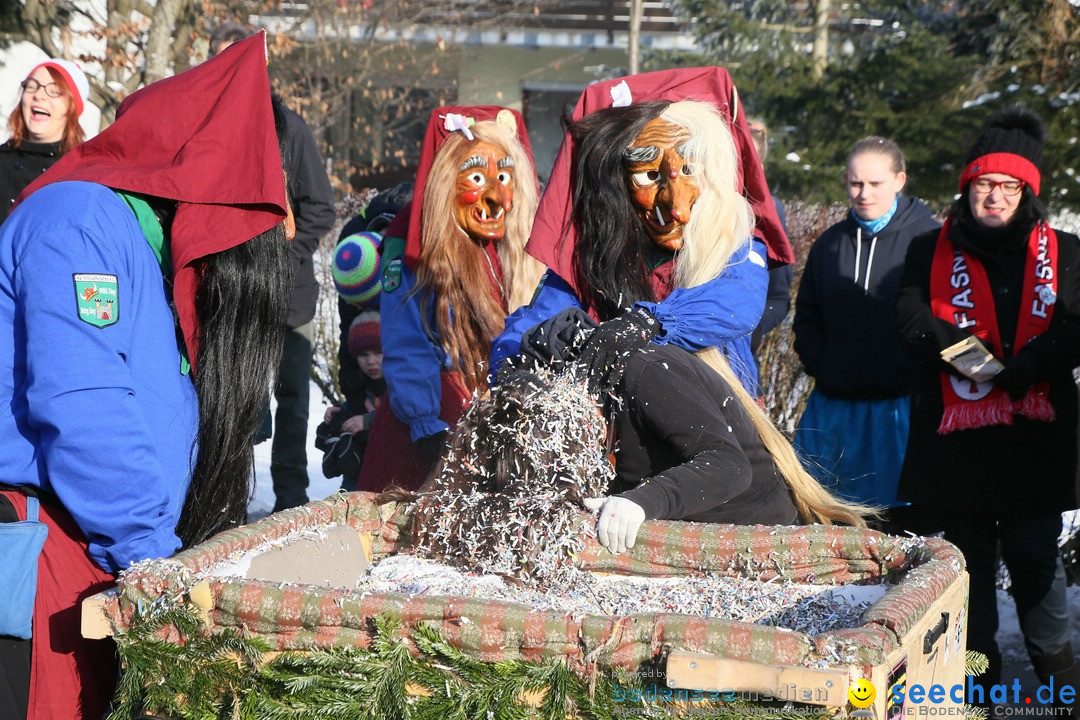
(304, 617)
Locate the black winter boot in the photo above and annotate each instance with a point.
(1061, 670)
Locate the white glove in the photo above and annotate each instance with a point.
(619, 522)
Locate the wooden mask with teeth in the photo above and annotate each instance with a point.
(484, 190)
(661, 181)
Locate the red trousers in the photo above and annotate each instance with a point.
(391, 458)
(69, 677)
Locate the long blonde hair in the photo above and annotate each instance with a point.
(721, 222)
(813, 501)
(452, 267)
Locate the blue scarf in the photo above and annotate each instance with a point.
(875, 226)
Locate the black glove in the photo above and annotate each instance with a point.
(1019, 375)
(608, 350)
(556, 341)
(344, 455)
(514, 364)
(431, 447)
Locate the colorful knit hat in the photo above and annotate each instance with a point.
(356, 268)
(1012, 144)
(364, 334)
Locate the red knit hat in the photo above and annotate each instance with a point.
(73, 77)
(364, 334)
(1012, 144)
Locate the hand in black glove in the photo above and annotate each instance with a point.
(607, 351)
(1019, 375)
(555, 341)
(431, 447)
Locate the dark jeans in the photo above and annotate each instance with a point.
(1029, 548)
(288, 455)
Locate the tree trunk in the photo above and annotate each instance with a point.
(39, 20)
(159, 40)
(819, 57)
(636, 11)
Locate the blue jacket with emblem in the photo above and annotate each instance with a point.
(122, 470)
(413, 358)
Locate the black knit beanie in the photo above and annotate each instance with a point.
(1011, 143)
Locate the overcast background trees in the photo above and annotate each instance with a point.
(925, 73)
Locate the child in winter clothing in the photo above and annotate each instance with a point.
(343, 434)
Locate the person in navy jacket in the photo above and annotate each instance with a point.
(855, 426)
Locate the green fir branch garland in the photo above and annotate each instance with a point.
(225, 676)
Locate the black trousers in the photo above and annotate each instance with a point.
(288, 455)
(1029, 548)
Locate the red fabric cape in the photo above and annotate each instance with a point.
(204, 138)
(708, 84)
(434, 137)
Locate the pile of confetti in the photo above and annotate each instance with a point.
(804, 608)
(507, 499)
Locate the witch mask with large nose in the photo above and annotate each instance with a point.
(661, 182)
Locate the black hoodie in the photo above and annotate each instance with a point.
(844, 326)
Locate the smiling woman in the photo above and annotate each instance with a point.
(992, 463)
(43, 126)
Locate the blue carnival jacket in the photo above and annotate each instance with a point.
(97, 411)
(412, 358)
(720, 313)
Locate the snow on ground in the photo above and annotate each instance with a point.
(262, 502)
(1015, 660)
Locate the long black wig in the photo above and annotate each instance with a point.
(612, 244)
(242, 304)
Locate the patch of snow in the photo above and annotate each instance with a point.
(319, 487)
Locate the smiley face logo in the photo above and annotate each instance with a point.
(861, 693)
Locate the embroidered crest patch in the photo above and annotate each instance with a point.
(391, 276)
(97, 298)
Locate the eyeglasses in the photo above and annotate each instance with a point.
(31, 85)
(985, 186)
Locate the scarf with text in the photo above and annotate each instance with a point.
(960, 294)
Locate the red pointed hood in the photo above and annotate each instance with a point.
(707, 84)
(204, 138)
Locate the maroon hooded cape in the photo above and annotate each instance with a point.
(204, 138)
(553, 239)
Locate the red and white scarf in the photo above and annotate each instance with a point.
(960, 294)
